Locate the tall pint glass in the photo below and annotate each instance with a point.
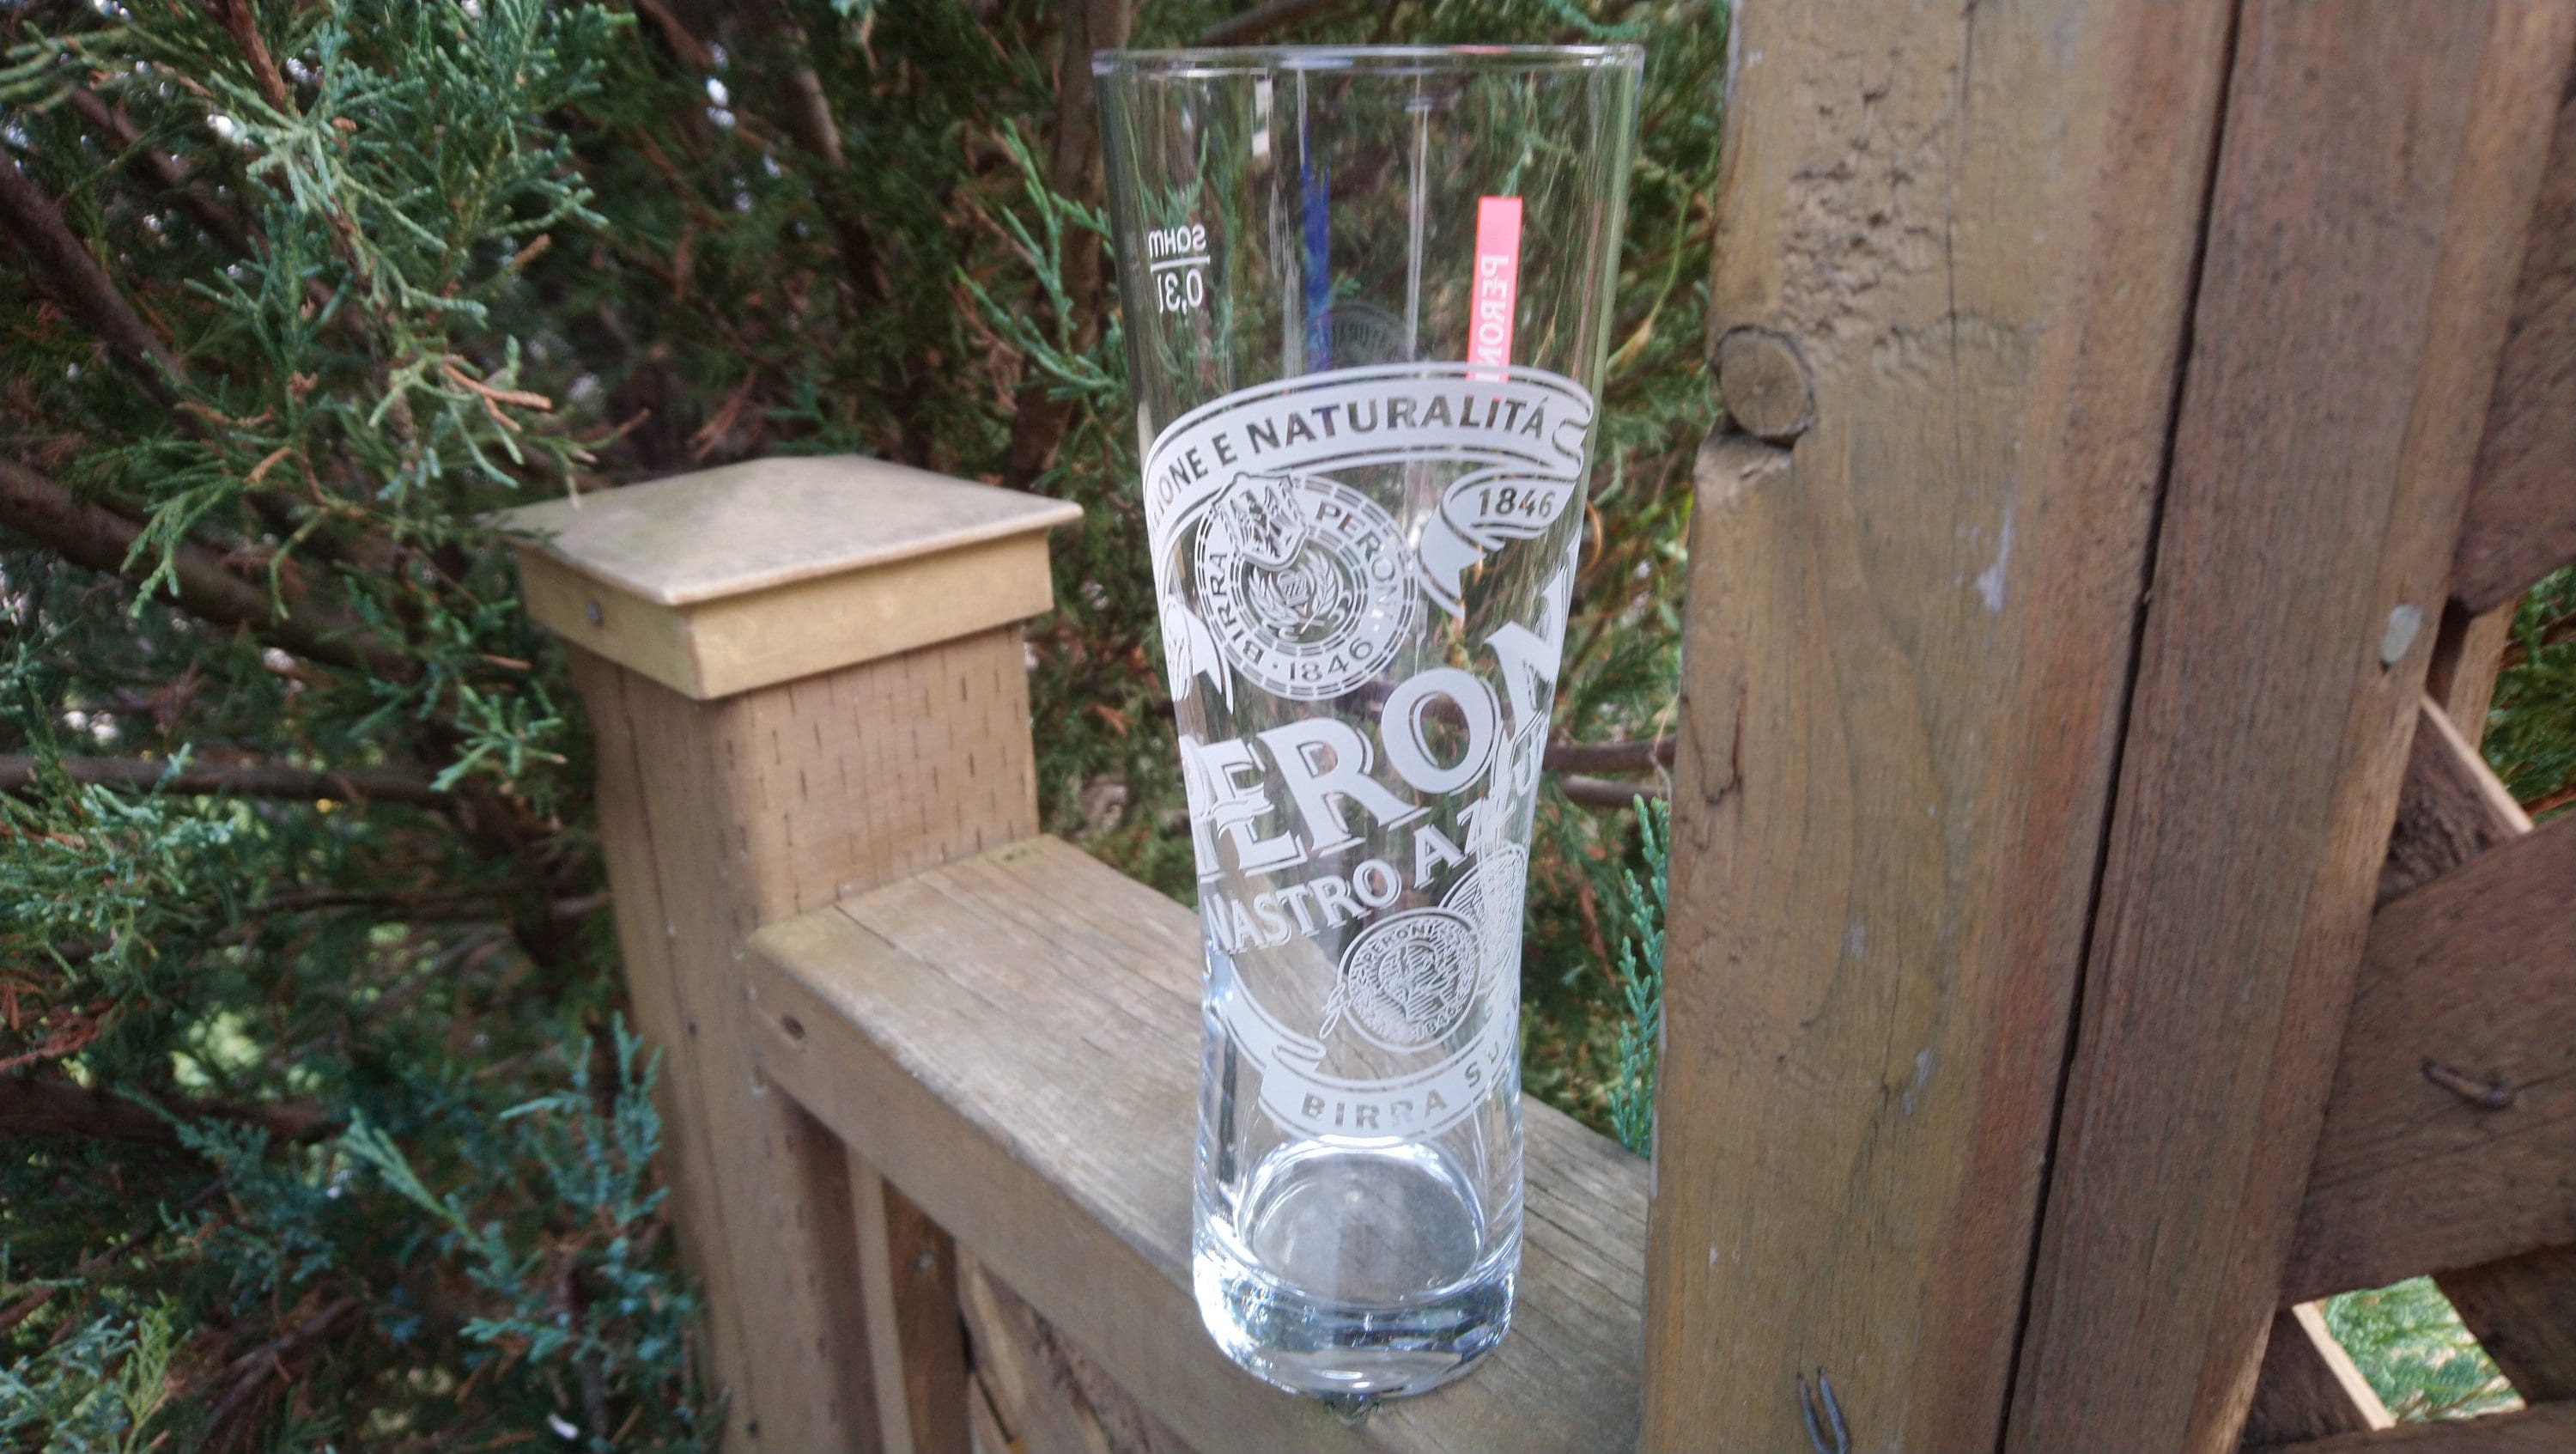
(1367, 297)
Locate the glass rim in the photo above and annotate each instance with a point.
(1380, 60)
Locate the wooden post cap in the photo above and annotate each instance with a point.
(729, 579)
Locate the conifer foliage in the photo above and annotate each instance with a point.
(320, 1126)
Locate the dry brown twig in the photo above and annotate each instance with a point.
(93, 536)
(1039, 419)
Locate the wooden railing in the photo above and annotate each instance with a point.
(2095, 937)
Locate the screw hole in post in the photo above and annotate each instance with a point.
(794, 1027)
(591, 610)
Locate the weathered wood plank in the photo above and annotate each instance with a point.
(2466, 659)
(2547, 1429)
(2522, 1310)
(668, 1006)
(2450, 806)
(1907, 642)
(1013, 1041)
(2365, 228)
(2521, 520)
(1043, 1393)
(740, 1164)
(908, 1271)
(2450, 1134)
(2309, 1387)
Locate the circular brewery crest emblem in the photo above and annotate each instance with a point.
(1407, 979)
(1304, 583)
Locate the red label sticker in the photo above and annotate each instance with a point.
(1498, 280)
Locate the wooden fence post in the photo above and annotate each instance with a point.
(2367, 225)
(805, 678)
(1907, 644)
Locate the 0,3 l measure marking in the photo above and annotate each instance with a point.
(1179, 258)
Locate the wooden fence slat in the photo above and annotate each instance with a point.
(916, 1341)
(1906, 645)
(2474, 976)
(2521, 521)
(2522, 1308)
(2319, 465)
(2523, 1312)
(1043, 1392)
(752, 1214)
(2547, 1429)
(2450, 806)
(2466, 658)
(2309, 1387)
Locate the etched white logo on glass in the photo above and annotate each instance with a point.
(1280, 573)
(1303, 583)
(1406, 980)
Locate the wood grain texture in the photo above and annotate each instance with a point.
(2547, 1429)
(2378, 152)
(2521, 1307)
(2523, 1312)
(1043, 1392)
(984, 1422)
(2451, 807)
(2309, 1387)
(719, 1143)
(768, 523)
(2466, 658)
(733, 644)
(1906, 644)
(1013, 1040)
(2474, 972)
(916, 1341)
(717, 817)
(2522, 508)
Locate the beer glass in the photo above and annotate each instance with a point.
(1366, 307)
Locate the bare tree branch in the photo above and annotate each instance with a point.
(1039, 420)
(248, 779)
(1599, 792)
(684, 45)
(243, 24)
(1262, 21)
(250, 1373)
(162, 170)
(47, 1105)
(94, 536)
(1636, 756)
(51, 244)
(91, 1266)
(807, 115)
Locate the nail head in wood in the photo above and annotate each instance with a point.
(2403, 623)
(725, 580)
(1764, 384)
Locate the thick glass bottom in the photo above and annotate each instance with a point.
(1355, 1273)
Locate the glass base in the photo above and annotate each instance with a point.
(1394, 1235)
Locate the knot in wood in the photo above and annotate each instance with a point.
(1763, 384)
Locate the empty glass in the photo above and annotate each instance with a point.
(1367, 296)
